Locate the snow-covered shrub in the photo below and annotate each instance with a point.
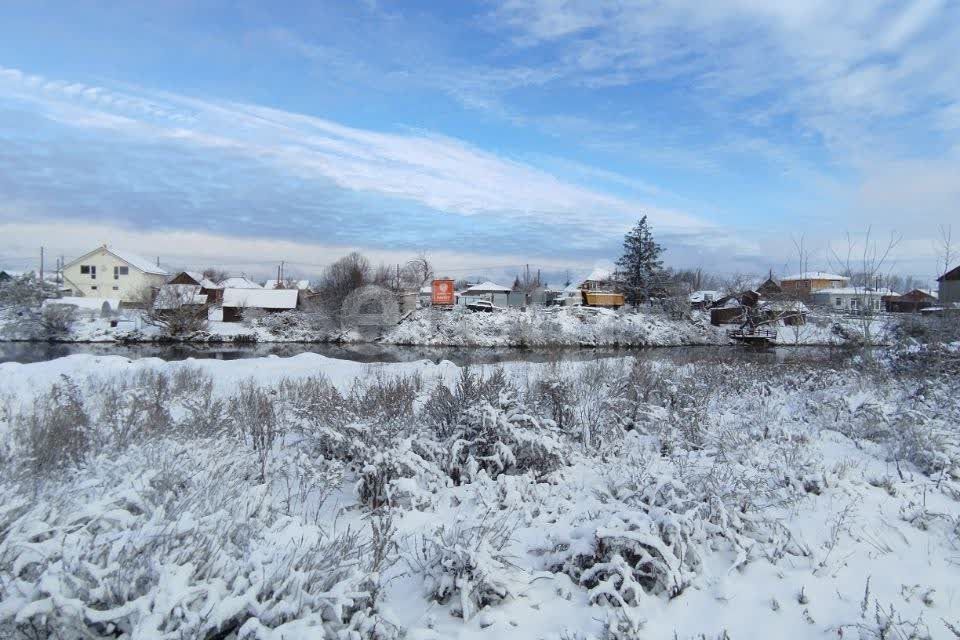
(502, 437)
(464, 564)
(56, 431)
(391, 476)
(381, 396)
(444, 409)
(253, 414)
(174, 540)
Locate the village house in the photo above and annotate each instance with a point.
(495, 293)
(703, 299)
(302, 285)
(851, 299)
(910, 302)
(110, 273)
(207, 287)
(803, 285)
(171, 297)
(949, 287)
(239, 282)
(237, 301)
(5, 277)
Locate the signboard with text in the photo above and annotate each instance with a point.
(442, 292)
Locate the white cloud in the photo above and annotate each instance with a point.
(432, 170)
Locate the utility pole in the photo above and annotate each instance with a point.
(277, 284)
(41, 268)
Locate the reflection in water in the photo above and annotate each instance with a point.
(42, 351)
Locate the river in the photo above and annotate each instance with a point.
(26, 352)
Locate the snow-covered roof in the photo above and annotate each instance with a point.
(238, 282)
(426, 290)
(173, 296)
(261, 298)
(814, 275)
(855, 291)
(598, 275)
(84, 303)
(705, 296)
(297, 284)
(137, 262)
(487, 287)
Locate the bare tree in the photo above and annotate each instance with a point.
(417, 272)
(946, 252)
(342, 278)
(213, 274)
(178, 310)
(869, 262)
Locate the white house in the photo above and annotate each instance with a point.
(106, 272)
(853, 299)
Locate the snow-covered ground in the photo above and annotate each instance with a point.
(310, 497)
(554, 327)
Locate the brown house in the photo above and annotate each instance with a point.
(910, 302)
(949, 287)
(803, 284)
(208, 288)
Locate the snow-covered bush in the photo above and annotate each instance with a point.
(56, 431)
(174, 540)
(502, 437)
(464, 564)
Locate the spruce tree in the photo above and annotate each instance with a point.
(640, 262)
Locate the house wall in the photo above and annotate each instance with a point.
(847, 301)
(807, 287)
(129, 288)
(949, 292)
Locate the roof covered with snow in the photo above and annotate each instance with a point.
(238, 282)
(598, 275)
(261, 298)
(814, 275)
(137, 262)
(705, 296)
(486, 287)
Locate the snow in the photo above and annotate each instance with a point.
(598, 275)
(800, 501)
(85, 303)
(814, 275)
(705, 296)
(238, 282)
(135, 261)
(261, 298)
(485, 287)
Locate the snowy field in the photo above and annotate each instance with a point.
(309, 497)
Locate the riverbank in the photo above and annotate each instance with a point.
(511, 328)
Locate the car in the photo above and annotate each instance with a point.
(482, 305)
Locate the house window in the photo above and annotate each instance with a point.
(90, 270)
(854, 303)
(116, 288)
(839, 302)
(93, 287)
(120, 271)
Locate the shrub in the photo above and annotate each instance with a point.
(502, 438)
(464, 564)
(56, 431)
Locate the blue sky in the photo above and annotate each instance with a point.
(490, 134)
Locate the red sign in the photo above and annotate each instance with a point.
(442, 293)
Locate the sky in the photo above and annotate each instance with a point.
(489, 134)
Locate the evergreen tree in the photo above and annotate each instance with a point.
(640, 262)
(517, 286)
